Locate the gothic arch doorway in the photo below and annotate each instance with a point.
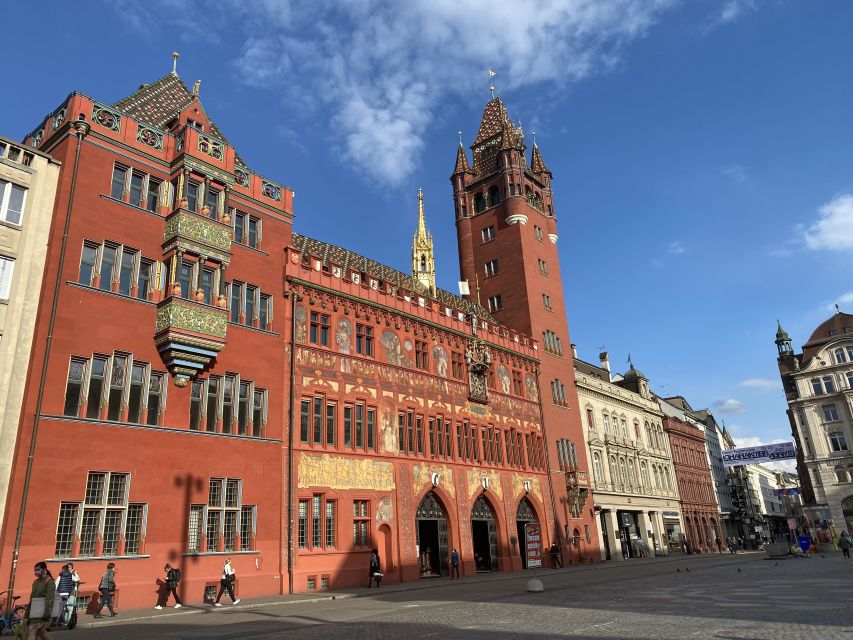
(524, 515)
(431, 519)
(484, 535)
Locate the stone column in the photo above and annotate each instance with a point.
(613, 534)
(645, 526)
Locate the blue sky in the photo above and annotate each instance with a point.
(702, 151)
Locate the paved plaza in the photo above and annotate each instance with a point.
(722, 597)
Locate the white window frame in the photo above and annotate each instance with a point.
(7, 272)
(5, 196)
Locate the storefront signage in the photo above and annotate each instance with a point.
(763, 453)
(670, 514)
(533, 534)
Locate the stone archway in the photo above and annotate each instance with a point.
(433, 540)
(484, 535)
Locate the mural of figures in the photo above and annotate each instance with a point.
(532, 392)
(503, 376)
(388, 432)
(301, 327)
(394, 350)
(440, 356)
(343, 336)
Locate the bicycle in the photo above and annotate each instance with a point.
(14, 619)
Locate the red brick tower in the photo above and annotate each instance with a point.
(507, 234)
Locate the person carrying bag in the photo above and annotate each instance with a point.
(41, 603)
(226, 581)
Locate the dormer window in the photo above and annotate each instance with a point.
(195, 124)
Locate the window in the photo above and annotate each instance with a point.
(105, 510)
(192, 196)
(127, 271)
(596, 467)
(364, 340)
(543, 267)
(136, 188)
(479, 203)
(830, 412)
(421, 355)
(230, 525)
(137, 182)
(837, 441)
(817, 387)
(410, 432)
(247, 229)
(119, 179)
(546, 301)
(488, 233)
(211, 201)
(492, 268)
(205, 284)
(108, 263)
(606, 422)
(457, 369)
(88, 259)
(152, 197)
(7, 268)
(251, 299)
(829, 384)
(11, 202)
(551, 343)
(143, 282)
(319, 333)
(265, 311)
(360, 523)
(850, 379)
(537, 231)
(116, 264)
(248, 526)
(558, 392)
(316, 528)
(517, 387)
(840, 356)
(229, 399)
(227, 402)
(590, 419)
(495, 303)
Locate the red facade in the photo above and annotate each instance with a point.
(695, 485)
(210, 385)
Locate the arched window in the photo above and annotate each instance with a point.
(494, 196)
(637, 429)
(606, 419)
(840, 356)
(656, 476)
(666, 478)
(632, 473)
(644, 474)
(623, 474)
(596, 466)
(479, 203)
(423, 263)
(614, 474)
(841, 474)
(624, 427)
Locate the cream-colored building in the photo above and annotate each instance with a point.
(633, 479)
(818, 386)
(27, 191)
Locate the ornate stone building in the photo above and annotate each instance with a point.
(636, 498)
(220, 386)
(818, 387)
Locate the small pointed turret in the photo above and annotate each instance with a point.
(783, 341)
(423, 258)
(462, 165)
(537, 165)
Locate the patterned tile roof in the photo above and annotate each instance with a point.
(462, 165)
(351, 261)
(493, 120)
(159, 102)
(537, 165)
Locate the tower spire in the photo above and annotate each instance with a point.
(423, 257)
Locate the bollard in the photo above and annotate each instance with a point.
(534, 585)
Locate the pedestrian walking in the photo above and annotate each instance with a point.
(454, 564)
(845, 543)
(374, 572)
(173, 579)
(107, 587)
(625, 551)
(555, 556)
(64, 589)
(41, 603)
(226, 580)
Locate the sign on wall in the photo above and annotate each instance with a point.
(533, 533)
(763, 453)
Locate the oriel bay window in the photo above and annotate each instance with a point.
(105, 523)
(228, 404)
(116, 388)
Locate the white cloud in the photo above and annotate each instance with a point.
(845, 300)
(676, 248)
(729, 11)
(736, 173)
(383, 69)
(834, 227)
(729, 406)
(761, 384)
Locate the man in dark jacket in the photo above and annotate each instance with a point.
(173, 578)
(63, 591)
(375, 575)
(107, 586)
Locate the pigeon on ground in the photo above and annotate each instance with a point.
(738, 570)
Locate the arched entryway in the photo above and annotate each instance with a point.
(524, 515)
(484, 535)
(431, 519)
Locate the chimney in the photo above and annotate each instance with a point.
(574, 350)
(605, 361)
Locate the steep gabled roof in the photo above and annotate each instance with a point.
(462, 165)
(537, 165)
(493, 121)
(351, 261)
(159, 102)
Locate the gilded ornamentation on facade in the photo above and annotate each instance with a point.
(503, 377)
(479, 360)
(345, 473)
(384, 511)
(440, 357)
(394, 350)
(150, 137)
(519, 488)
(198, 234)
(532, 391)
(422, 475)
(241, 178)
(177, 313)
(211, 146)
(343, 336)
(492, 479)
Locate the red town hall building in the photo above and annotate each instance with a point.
(209, 384)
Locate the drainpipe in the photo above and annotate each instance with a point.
(548, 459)
(294, 298)
(81, 128)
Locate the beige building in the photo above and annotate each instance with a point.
(633, 480)
(819, 389)
(27, 190)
